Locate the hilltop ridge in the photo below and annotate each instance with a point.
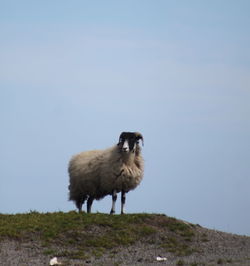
(101, 239)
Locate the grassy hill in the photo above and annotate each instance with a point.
(102, 239)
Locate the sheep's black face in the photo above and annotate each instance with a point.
(128, 141)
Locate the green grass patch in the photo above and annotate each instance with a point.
(81, 234)
(178, 247)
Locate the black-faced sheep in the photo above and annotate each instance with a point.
(97, 173)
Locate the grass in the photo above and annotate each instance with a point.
(78, 234)
(179, 238)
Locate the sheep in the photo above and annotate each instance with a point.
(98, 173)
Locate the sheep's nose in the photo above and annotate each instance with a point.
(125, 146)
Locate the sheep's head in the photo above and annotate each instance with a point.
(128, 141)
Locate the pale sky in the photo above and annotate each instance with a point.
(75, 74)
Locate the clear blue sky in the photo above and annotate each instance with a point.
(74, 74)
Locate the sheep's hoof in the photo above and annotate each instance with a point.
(112, 212)
(122, 213)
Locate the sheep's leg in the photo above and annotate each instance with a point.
(89, 204)
(114, 198)
(79, 205)
(123, 199)
(79, 202)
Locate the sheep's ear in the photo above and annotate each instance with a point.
(121, 137)
(138, 137)
(120, 140)
(142, 141)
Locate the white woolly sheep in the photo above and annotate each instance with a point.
(97, 173)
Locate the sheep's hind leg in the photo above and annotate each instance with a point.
(123, 199)
(79, 202)
(114, 198)
(89, 204)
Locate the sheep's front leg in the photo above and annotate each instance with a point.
(114, 198)
(123, 199)
(89, 204)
